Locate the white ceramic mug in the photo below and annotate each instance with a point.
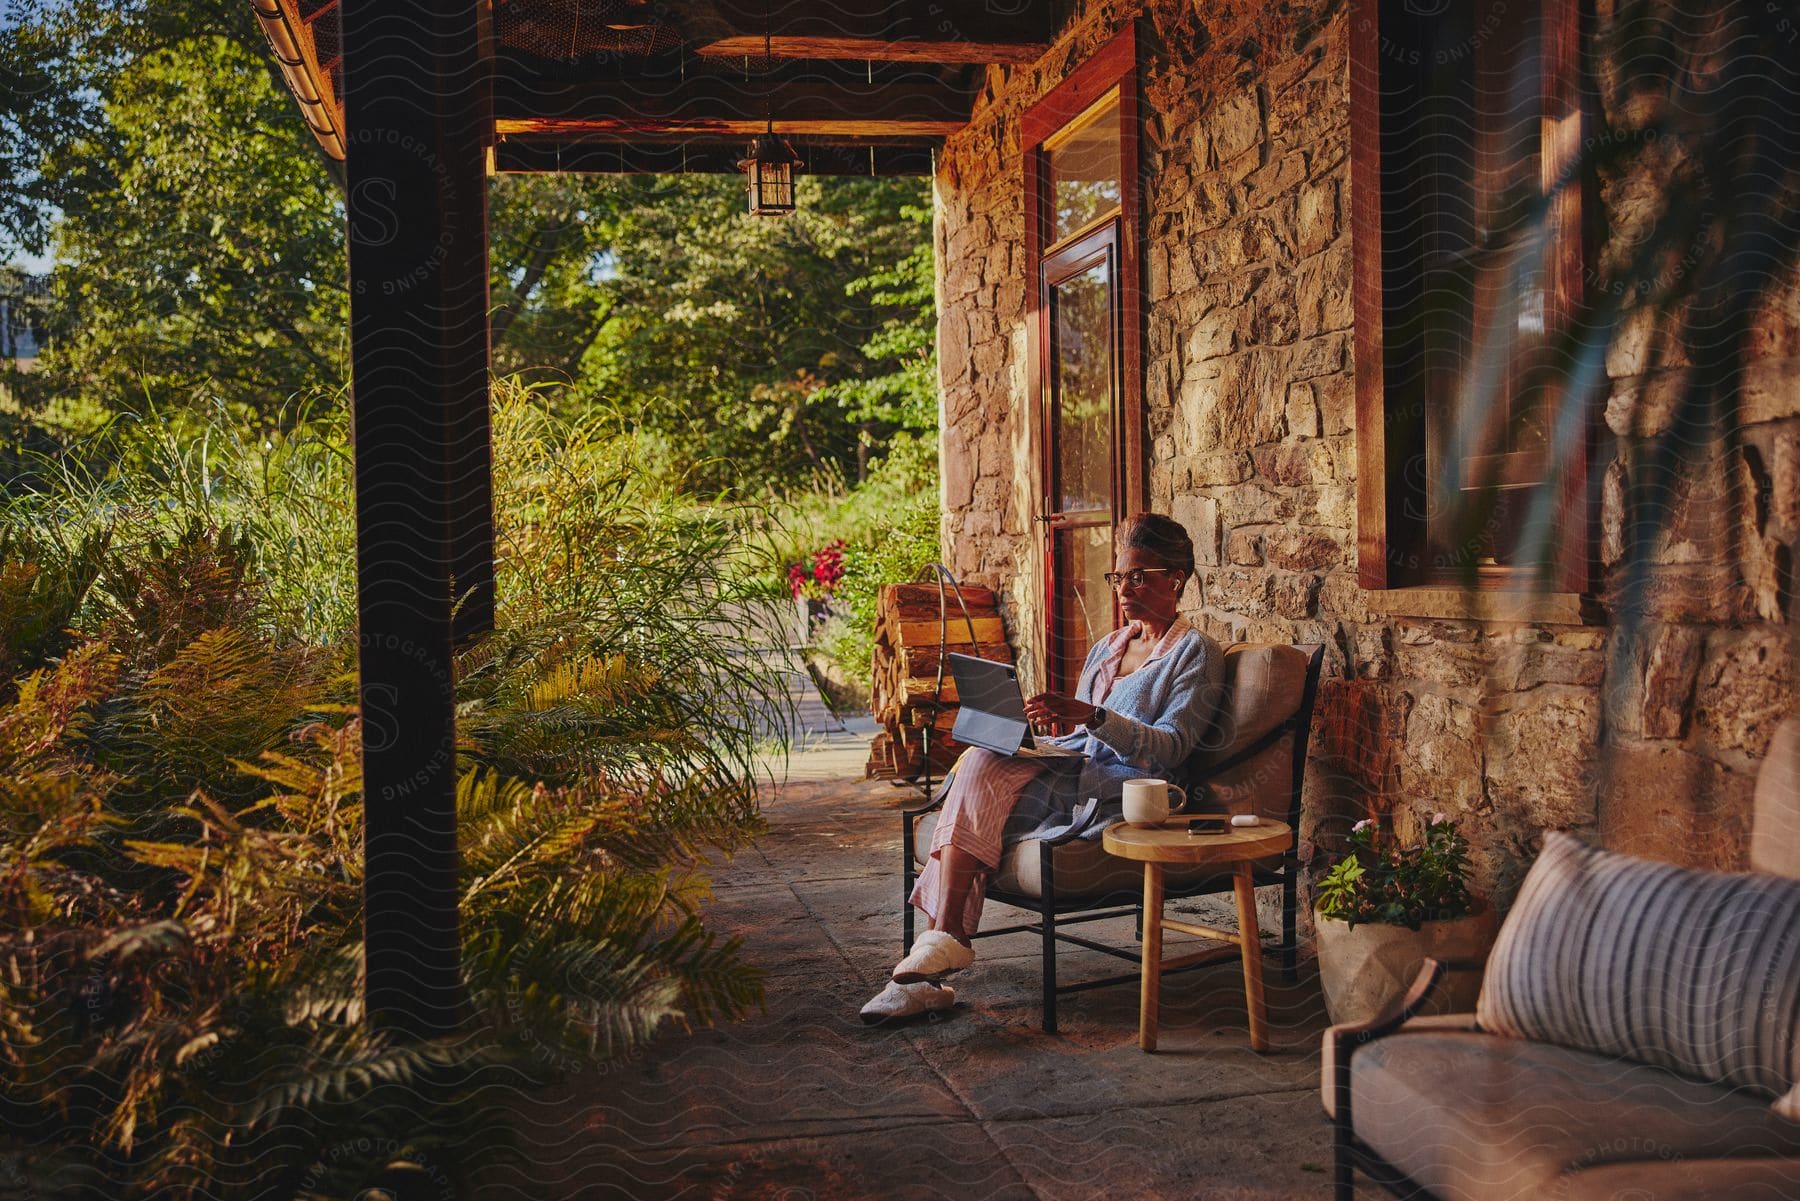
(1147, 801)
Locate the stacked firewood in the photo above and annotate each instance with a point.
(909, 699)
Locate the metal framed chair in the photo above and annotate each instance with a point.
(1255, 762)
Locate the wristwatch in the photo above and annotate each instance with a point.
(1097, 718)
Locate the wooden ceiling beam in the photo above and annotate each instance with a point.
(694, 157)
(889, 30)
(723, 127)
(875, 50)
(721, 106)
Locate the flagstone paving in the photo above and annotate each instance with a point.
(802, 1102)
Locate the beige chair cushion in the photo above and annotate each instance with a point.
(1083, 869)
(1775, 834)
(1479, 1116)
(1694, 971)
(1264, 684)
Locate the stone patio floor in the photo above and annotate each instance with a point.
(805, 1103)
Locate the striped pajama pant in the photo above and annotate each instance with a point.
(982, 795)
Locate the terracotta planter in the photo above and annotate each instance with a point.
(1366, 969)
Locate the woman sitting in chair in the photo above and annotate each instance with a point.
(1145, 696)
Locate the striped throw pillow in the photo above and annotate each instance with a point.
(1694, 971)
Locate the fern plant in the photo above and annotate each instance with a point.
(181, 822)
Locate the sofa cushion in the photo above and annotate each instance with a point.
(1475, 1115)
(1694, 971)
(1084, 870)
(1328, 1061)
(1680, 1180)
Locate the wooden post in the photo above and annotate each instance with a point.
(468, 352)
(416, 233)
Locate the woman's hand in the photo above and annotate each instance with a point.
(1047, 708)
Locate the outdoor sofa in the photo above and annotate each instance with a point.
(1636, 1021)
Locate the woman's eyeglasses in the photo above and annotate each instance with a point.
(1136, 577)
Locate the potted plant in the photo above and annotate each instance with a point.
(1386, 906)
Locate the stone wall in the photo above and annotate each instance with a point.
(1648, 742)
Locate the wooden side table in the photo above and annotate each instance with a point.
(1239, 847)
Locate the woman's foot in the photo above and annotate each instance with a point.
(898, 1002)
(935, 955)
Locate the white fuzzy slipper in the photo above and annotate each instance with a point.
(934, 955)
(898, 1002)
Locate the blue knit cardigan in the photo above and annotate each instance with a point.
(1154, 718)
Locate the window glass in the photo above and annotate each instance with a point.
(1083, 165)
(1082, 388)
(1083, 602)
(1463, 180)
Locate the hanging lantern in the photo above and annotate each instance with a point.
(771, 166)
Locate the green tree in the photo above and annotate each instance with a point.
(733, 333)
(901, 400)
(551, 245)
(60, 62)
(199, 239)
(196, 229)
(209, 250)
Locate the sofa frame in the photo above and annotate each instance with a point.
(1774, 850)
(1349, 1153)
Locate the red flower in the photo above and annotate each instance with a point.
(818, 579)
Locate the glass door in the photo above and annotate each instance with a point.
(1079, 298)
(1081, 234)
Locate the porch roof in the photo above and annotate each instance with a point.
(630, 86)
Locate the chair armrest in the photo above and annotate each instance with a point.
(1341, 1042)
(909, 816)
(1423, 985)
(913, 815)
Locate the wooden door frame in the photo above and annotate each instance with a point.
(1114, 65)
(1093, 246)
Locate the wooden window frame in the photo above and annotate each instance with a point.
(1112, 66)
(1087, 247)
(1090, 245)
(1390, 500)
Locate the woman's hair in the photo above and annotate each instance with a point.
(1163, 537)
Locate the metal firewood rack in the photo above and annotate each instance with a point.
(946, 586)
